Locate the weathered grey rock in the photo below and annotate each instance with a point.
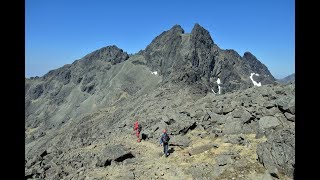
(279, 152)
(227, 108)
(217, 110)
(180, 140)
(270, 112)
(214, 117)
(182, 127)
(234, 127)
(286, 104)
(237, 140)
(237, 113)
(111, 153)
(290, 117)
(267, 122)
(223, 160)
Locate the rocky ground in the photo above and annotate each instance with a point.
(242, 135)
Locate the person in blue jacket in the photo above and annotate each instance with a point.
(164, 140)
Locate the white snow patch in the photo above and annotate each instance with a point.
(218, 82)
(253, 81)
(155, 73)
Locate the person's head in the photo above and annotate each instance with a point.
(164, 131)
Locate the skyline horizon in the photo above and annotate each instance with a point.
(59, 33)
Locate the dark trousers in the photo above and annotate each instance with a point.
(165, 148)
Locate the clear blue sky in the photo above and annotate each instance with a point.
(59, 32)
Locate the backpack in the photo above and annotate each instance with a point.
(139, 127)
(165, 138)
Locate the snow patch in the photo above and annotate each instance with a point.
(218, 82)
(253, 81)
(155, 72)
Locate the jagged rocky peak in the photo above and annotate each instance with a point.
(111, 54)
(165, 38)
(193, 58)
(177, 28)
(258, 68)
(248, 55)
(201, 35)
(173, 53)
(164, 50)
(102, 58)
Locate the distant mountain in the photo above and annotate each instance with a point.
(194, 58)
(287, 79)
(223, 112)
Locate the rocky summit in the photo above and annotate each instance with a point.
(227, 116)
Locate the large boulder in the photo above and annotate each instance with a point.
(286, 104)
(117, 153)
(277, 154)
(268, 122)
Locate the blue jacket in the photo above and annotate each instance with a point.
(163, 137)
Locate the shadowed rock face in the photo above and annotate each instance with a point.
(79, 117)
(191, 58)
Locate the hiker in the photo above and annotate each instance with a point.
(164, 140)
(137, 127)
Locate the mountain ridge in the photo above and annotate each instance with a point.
(288, 79)
(79, 117)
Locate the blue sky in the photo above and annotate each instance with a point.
(61, 31)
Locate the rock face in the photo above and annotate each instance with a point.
(195, 59)
(79, 118)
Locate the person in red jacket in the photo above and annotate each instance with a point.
(137, 127)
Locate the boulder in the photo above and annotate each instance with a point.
(267, 122)
(116, 153)
(286, 104)
(223, 159)
(234, 127)
(290, 117)
(278, 152)
(180, 140)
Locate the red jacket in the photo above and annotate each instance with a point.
(136, 125)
